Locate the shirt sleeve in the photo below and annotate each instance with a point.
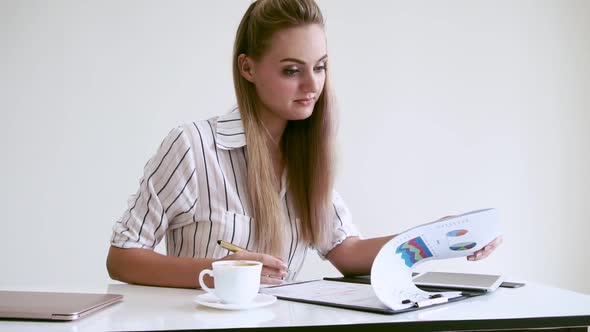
(167, 194)
(342, 226)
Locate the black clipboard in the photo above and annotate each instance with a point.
(377, 307)
(366, 279)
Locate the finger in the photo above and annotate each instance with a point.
(274, 273)
(270, 262)
(480, 254)
(487, 250)
(270, 280)
(493, 245)
(496, 242)
(477, 255)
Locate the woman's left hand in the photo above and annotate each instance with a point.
(486, 251)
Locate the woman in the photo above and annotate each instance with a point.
(260, 177)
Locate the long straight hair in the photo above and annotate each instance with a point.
(307, 145)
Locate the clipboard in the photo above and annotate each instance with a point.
(366, 279)
(345, 295)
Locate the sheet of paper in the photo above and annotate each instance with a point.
(391, 274)
(329, 291)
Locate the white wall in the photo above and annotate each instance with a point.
(446, 106)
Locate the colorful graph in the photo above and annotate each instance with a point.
(462, 246)
(413, 251)
(457, 232)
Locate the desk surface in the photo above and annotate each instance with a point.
(154, 308)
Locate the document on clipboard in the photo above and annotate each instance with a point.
(355, 296)
(391, 289)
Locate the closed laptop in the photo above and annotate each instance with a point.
(51, 305)
(459, 281)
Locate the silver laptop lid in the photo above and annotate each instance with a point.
(52, 306)
(459, 281)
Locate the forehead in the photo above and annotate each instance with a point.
(306, 42)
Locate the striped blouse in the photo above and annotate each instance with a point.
(194, 191)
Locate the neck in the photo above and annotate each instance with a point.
(274, 128)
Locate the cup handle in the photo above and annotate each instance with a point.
(202, 283)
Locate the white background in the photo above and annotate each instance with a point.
(445, 107)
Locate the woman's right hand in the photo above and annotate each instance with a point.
(273, 268)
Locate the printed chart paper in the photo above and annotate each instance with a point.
(457, 236)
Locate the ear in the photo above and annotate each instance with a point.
(246, 66)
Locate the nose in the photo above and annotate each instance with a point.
(312, 82)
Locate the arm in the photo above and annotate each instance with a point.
(147, 267)
(355, 256)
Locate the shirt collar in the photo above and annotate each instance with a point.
(230, 131)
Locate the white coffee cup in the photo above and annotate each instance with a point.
(236, 281)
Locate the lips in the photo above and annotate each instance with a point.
(305, 101)
(308, 99)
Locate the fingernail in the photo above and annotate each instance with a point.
(478, 255)
(469, 258)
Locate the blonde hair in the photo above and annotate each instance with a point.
(307, 145)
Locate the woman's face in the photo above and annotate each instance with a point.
(290, 76)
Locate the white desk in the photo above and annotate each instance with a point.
(153, 308)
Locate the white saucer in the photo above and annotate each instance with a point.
(210, 300)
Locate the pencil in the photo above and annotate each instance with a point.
(230, 246)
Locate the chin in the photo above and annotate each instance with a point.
(300, 113)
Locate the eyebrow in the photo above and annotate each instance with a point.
(301, 61)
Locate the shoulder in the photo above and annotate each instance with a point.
(200, 134)
(224, 131)
(197, 133)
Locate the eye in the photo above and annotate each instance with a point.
(290, 71)
(320, 68)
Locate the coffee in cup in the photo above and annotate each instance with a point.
(236, 281)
